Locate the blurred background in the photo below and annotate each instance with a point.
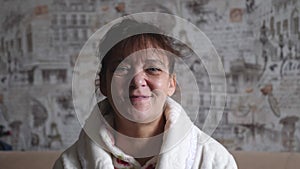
(258, 42)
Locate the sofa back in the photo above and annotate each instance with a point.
(245, 160)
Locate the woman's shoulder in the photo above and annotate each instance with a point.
(68, 158)
(84, 153)
(207, 141)
(211, 152)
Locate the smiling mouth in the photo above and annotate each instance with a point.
(139, 98)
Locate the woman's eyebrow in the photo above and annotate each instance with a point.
(155, 61)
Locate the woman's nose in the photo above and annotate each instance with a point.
(138, 80)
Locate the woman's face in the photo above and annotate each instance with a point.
(137, 85)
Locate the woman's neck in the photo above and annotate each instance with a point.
(133, 137)
(139, 130)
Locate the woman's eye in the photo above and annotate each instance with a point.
(121, 70)
(153, 70)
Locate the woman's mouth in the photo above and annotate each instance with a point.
(138, 98)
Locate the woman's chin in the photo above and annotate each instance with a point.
(141, 111)
(143, 115)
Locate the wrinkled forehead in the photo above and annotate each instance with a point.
(139, 50)
(149, 55)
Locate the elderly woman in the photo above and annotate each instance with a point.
(139, 125)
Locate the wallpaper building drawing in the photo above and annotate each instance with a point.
(257, 40)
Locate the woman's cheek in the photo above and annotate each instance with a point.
(159, 84)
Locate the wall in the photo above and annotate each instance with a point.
(258, 42)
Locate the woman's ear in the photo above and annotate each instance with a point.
(103, 87)
(172, 84)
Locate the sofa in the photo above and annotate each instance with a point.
(245, 160)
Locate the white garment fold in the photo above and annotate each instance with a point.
(184, 145)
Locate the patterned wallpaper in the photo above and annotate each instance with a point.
(258, 42)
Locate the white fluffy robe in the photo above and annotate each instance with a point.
(184, 146)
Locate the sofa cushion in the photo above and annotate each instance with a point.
(266, 160)
(28, 159)
(245, 160)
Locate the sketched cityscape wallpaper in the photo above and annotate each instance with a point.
(257, 40)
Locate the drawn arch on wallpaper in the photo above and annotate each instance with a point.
(294, 21)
